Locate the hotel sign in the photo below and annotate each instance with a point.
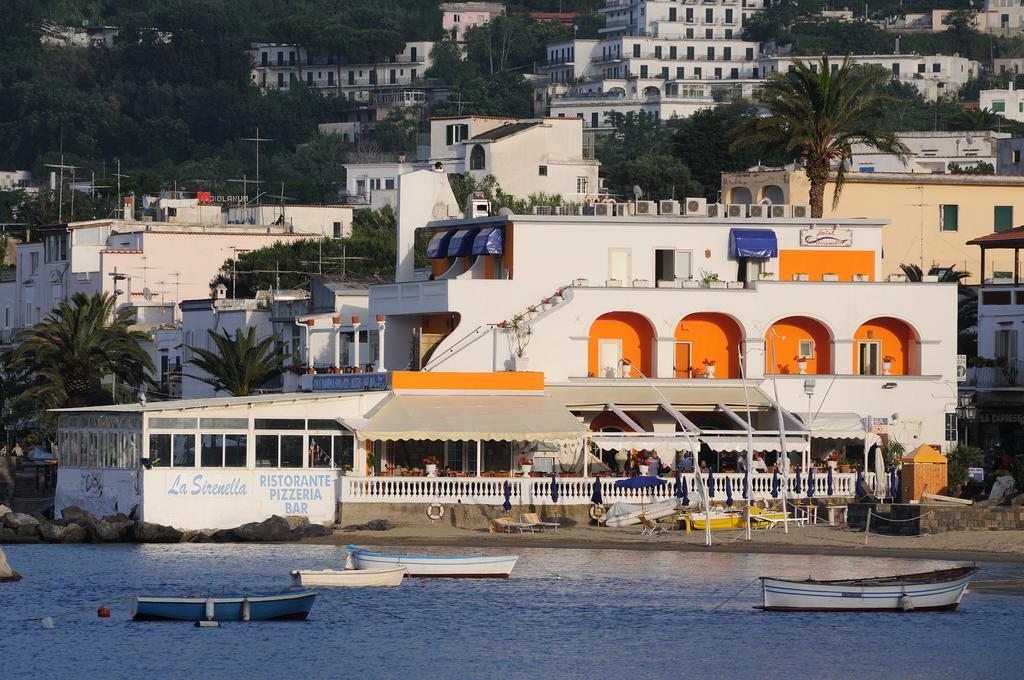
(350, 382)
(826, 238)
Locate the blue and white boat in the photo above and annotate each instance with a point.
(450, 566)
(939, 590)
(293, 606)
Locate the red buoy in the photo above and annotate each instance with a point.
(103, 612)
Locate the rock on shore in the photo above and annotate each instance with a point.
(6, 573)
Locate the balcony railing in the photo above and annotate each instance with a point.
(1009, 374)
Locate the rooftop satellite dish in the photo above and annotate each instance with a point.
(637, 191)
(147, 294)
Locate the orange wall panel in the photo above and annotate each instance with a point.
(845, 263)
(786, 338)
(896, 338)
(502, 381)
(637, 337)
(713, 337)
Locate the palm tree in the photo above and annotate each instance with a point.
(821, 113)
(945, 274)
(75, 346)
(241, 364)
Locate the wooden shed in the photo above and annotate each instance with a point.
(923, 470)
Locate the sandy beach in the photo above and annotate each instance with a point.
(981, 546)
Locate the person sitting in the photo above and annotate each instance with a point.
(758, 464)
(653, 465)
(703, 467)
(448, 471)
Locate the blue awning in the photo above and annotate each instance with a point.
(461, 244)
(438, 246)
(490, 241)
(758, 243)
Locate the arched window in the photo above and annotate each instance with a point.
(477, 158)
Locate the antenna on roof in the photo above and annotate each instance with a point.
(257, 139)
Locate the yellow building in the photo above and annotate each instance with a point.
(931, 216)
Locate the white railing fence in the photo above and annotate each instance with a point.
(575, 490)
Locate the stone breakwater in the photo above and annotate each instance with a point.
(79, 526)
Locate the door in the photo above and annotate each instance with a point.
(869, 357)
(618, 264)
(1006, 356)
(609, 358)
(683, 367)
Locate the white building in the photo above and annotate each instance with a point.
(331, 221)
(532, 156)
(1002, 17)
(459, 17)
(1008, 103)
(15, 180)
(931, 152)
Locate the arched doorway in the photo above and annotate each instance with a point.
(707, 339)
(740, 196)
(618, 336)
(885, 346)
(477, 158)
(794, 338)
(774, 194)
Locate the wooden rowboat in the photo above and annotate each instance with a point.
(939, 590)
(383, 576)
(444, 566)
(274, 607)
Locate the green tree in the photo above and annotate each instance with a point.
(821, 114)
(637, 153)
(75, 346)
(239, 365)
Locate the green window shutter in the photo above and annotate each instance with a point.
(998, 107)
(1004, 217)
(950, 218)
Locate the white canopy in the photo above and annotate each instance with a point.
(611, 442)
(834, 425)
(467, 417)
(794, 443)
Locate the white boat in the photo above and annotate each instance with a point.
(451, 566)
(626, 514)
(354, 578)
(939, 590)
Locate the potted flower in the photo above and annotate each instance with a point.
(642, 465)
(801, 364)
(767, 276)
(830, 276)
(431, 463)
(887, 364)
(519, 333)
(844, 464)
(709, 368)
(346, 470)
(525, 465)
(801, 276)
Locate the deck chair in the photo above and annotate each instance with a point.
(508, 525)
(534, 518)
(651, 528)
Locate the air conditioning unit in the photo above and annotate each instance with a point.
(604, 209)
(542, 210)
(645, 208)
(624, 209)
(800, 211)
(668, 207)
(736, 210)
(716, 210)
(696, 206)
(778, 211)
(757, 211)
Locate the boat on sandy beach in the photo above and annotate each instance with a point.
(730, 519)
(939, 590)
(269, 607)
(352, 578)
(626, 514)
(450, 566)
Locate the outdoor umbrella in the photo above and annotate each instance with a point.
(640, 482)
(830, 487)
(880, 477)
(711, 484)
(728, 492)
(859, 489)
(680, 490)
(595, 497)
(746, 485)
(554, 487)
(810, 483)
(799, 484)
(686, 493)
(894, 483)
(508, 496)
(775, 483)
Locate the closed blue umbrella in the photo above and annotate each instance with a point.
(894, 483)
(859, 488)
(775, 483)
(831, 489)
(711, 484)
(508, 496)
(680, 491)
(799, 484)
(640, 482)
(595, 497)
(810, 483)
(554, 487)
(746, 485)
(686, 493)
(728, 492)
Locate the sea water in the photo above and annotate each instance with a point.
(563, 614)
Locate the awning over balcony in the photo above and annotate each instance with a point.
(467, 417)
(612, 442)
(794, 443)
(631, 394)
(835, 425)
(438, 246)
(461, 244)
(757, 243)
(490, 241)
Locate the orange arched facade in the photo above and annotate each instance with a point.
(884, 337)
(707, 336)
(794, 337)
(623, 335)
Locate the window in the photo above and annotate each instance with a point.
(280, 424)
(263, 59)
(280, 80)
(309, 77)
(456, 133)
(920, 68)
(673, 265)
(542, 170)
(33, 262)
(337, 230)
(805, 349)
(1003, 217)
(951, 427)
(477, 158)
(389, 183)
(280, 58)
(869, 355)
(895, 69)
(582, 185)
(750, 53)
(948, 217)
(392, 77)
(212, 450)
(636, 50)
(680, 72)
(594, 119)
(160, 450)
(657, 52)
(673, 52)
(709, 34)
(998, 107)
(671, 13)
(709, 16)
(728, 16)
(1016, 152)
(727, 53)
(689, 15)
(643, 70)
(936, 68)
(56, 247)
(711, 54)
(689, 53)
(184, 450)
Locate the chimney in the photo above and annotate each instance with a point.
(220, 292)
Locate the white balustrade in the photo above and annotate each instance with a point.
(576, 490)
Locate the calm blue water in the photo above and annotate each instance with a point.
(564, 614)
